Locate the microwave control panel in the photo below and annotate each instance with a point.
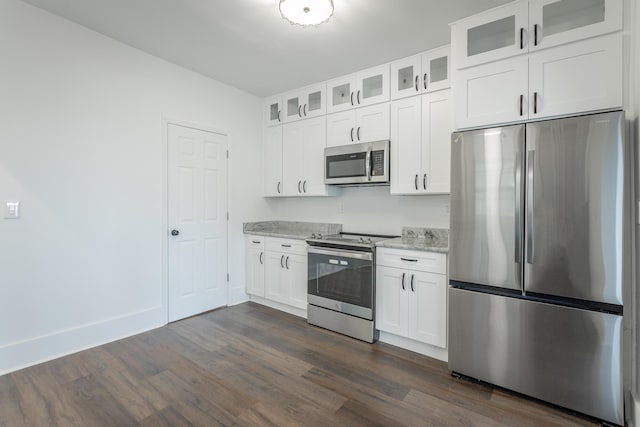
(377, 163)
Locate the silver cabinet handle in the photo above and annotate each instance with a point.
(358, 133)
(352, 98)
(286, 263)
(304, 110)
(358, 97)
(279, 113)
(299, 184)
(261, 255)
(408, 259)
(424, 181)
(530, 205)
(256, 241)
(278, 187)
(535, 102)
(282, 261)
(300, 111)
(304, 186)
(424, 79)
(535, 34)
(417, 86)
(403, 274)
(521, 105)
(285, 246)
(351, 134)
(415, 182)
(521, 38)
(412, 289)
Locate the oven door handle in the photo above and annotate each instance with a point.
(340, 253)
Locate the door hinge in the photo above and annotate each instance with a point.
(227, 215)
(227, 277)
(227, 154)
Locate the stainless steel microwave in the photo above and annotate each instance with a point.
(357, 164)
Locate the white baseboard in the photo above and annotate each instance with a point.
(237, 295)
(22, 354)
(415, 346)
(278, 306)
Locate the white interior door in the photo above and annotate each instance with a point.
(197, 220)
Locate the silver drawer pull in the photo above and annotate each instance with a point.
(255, 241)
(334, 261)
(286, 246)
(409, 260)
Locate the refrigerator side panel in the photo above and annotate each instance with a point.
(486, 225)
(566, 356)
(575, 208)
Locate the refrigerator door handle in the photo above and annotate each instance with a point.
(531, 156)
(518, 208)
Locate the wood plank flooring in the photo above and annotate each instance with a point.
(249, 365)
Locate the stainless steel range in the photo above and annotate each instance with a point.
(341, 283)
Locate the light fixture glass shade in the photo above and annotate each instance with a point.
(306, 12)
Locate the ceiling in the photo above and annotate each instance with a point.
(247, 44)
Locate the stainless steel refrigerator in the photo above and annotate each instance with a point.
(539, 244)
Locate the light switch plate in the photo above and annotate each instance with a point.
(11, 209)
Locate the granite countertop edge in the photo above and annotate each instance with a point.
(412, 244)
(282, 235)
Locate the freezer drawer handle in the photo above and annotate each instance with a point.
(530, 205)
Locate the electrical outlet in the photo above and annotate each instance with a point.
(11, 209)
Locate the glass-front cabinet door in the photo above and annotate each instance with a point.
(305, 103)
(292, 103)
(555, 22)
(405, 77)
(372, 86)
(340, 94)
(495, 34)
(273, 110)
(435, 69)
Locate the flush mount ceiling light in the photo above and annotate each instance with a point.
(306, 12)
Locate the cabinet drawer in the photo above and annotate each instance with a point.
(254, 242)
(288, 246)
(430, 262)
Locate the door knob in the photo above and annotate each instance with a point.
(174, 232)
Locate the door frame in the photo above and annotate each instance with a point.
(166, 121)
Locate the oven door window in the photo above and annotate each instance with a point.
(346, 165)
(341, 279)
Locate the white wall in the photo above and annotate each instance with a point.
(367, 209)
(80, 148)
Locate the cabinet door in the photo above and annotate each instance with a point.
(292, 104)
(495, 34)
(373, 86)
(273, 161)
(340, 128)
(406, 146)
(315, 141)
(405, 77)
(274, 284)
(437, 125)
(391, 300)
(273, 110)
(435, 69)
(555, 22)
(255, 271)
(340, 94)
(372, 123)
(292, 152)
(314, 101)
(428, 308)
(492, 93)
(577, 77)
(296, 280)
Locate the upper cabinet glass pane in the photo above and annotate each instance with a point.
(315, 101)
(565, 15)
(438, 69)
(292, 107)
(372, 86)
(341, 94)
(273, 111)
(491, 36)
(405, 78)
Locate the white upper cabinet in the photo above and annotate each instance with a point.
(367, 87)
(273, 110)
(427, 72)
(361, 125)
(555, 22)
(582, 76)
(303, 145)
(273, 162)
(492, 35)
(305, 103)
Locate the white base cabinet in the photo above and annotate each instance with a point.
(276, 270)
(411, 302)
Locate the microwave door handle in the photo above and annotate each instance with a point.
(368, 164)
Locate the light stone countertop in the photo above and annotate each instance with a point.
(290, 229)
(419, 239)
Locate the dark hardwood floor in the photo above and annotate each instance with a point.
(249, 365)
